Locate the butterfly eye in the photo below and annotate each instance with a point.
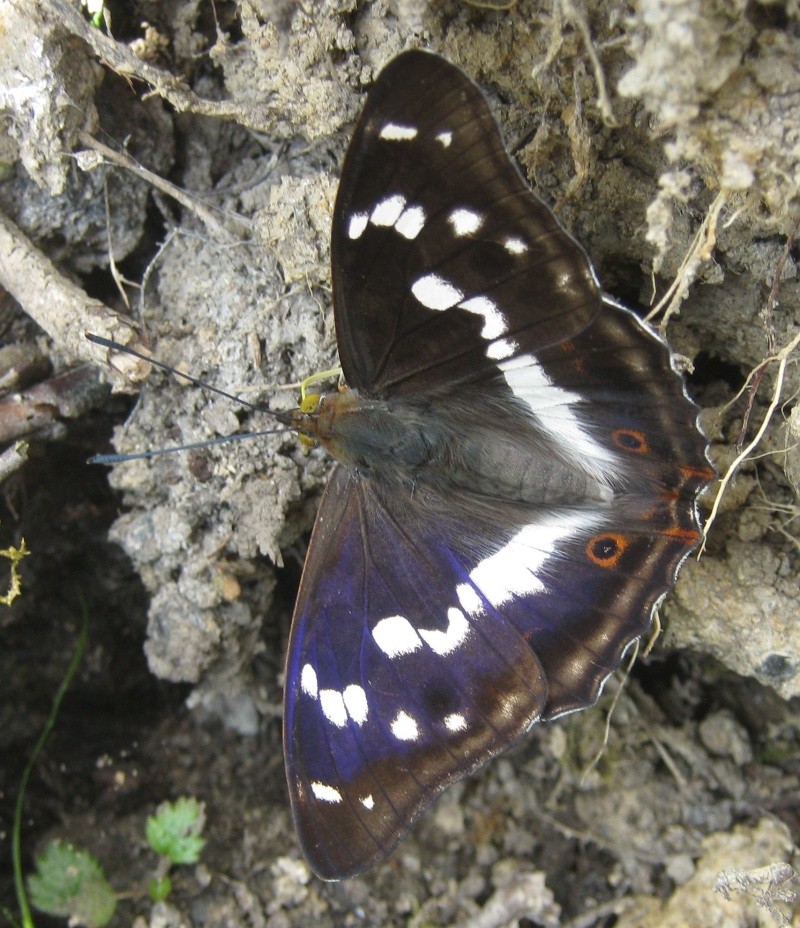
(606, 550)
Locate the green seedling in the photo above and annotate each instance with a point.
(71, 883)
(174, 833)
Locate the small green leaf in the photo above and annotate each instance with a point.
(174, 831)
(71, 883)
(159, 888)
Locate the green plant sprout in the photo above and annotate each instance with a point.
(70, 882)
(174, 833)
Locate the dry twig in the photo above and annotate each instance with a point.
(124, 61)
(700, 251)
(13, 458)
(186, 200)
(578, 19)
(65, 311)
(44, 405)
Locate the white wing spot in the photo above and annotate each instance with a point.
(387, 212)
(455, 722)
(465, 221)
(358, 222)
(411, 222)
(355, 701)
(552, 407)
(494, 322)
(308, 681)
(326, 793)
(445, 642)
(514, 569)
(332, 704)
(367, 801)
(515, 246)
(393, 132)
(405, 727)
(444, 139)
(502, 348)
(435, 292)
(395, 636)
(508, 572)
(469, 599)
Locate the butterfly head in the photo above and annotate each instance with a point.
(320, 420)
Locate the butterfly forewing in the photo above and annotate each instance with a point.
(439, 248)
(452, 597)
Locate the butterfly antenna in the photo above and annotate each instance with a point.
(118, 346)
(192, 446)
(282, 417)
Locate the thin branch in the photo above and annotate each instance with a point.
(609, 715)
(120, 58)
(65, 311)
(699, 252)
(112, 264)
(769, 308)
(65, 396)
(12, 458)
(772, 297)
(578, 19)
(186, 200)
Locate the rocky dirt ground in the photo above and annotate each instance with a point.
(170, 178)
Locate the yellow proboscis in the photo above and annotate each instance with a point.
(310, 401)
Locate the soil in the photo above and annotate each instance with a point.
(667, 139)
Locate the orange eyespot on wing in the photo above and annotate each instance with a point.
(630, 440)
(606, 550)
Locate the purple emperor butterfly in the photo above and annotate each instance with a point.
(518, 468)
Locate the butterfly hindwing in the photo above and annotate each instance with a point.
(393, 690)
(610, 398)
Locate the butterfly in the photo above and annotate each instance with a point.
(518, 465)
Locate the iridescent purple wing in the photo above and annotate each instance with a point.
(392, 689)
(434, 626)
